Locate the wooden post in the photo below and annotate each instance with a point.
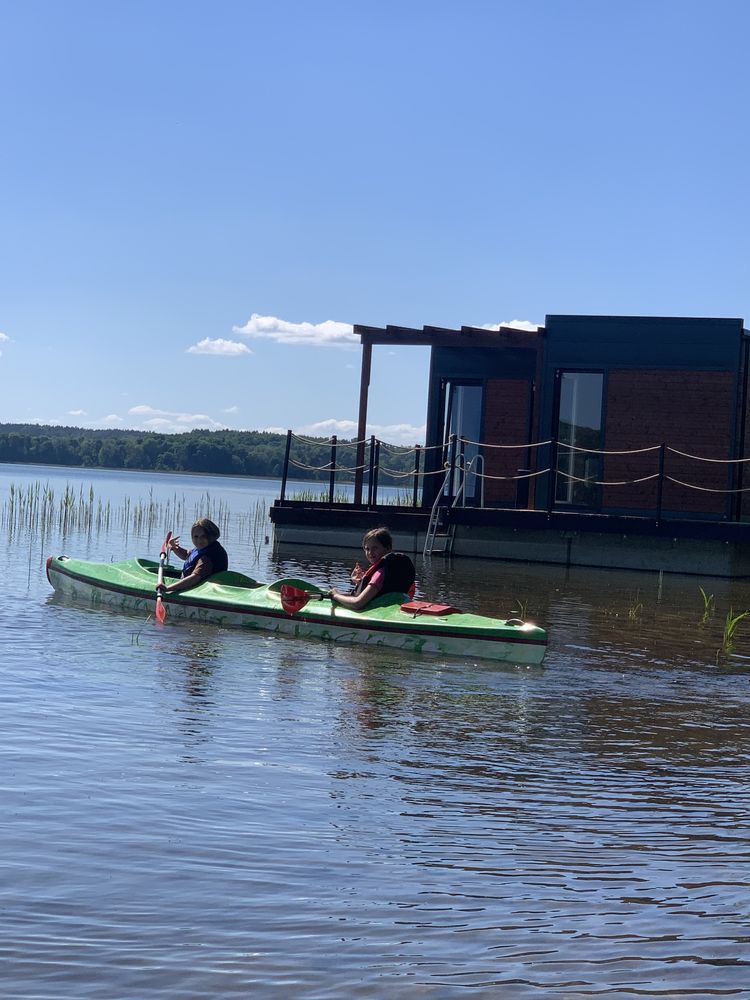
(660, 483)
(376, 473)
(364, 386)
(552, 476)
(371, 477)
(285, 470)
(452, 465)
(332, 479)
(415, 494)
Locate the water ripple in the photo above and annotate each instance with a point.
(192, 812)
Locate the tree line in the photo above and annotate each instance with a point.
(236, 453)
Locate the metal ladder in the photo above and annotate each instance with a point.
(436, 518)
(438, 511)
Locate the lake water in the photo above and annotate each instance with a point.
(192, 813)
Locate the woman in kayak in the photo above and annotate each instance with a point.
(205, 558)
(389, 572)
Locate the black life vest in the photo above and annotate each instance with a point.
(399, 574)
(214, 551)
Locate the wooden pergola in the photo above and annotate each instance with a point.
(428, 336)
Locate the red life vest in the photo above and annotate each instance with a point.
(399, 575)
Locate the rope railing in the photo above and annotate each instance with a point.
(701, 458)
(516, 447)
(397, 450)
(346, 443)
(520, 475)
(706, 489)
(582, 469)
(311, 468)
(601, 451)
(397, 473)
(600, 482)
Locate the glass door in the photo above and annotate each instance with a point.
(463, 417)
(579, 436)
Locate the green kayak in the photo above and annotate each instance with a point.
(300, 609)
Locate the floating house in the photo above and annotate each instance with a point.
(594, 440)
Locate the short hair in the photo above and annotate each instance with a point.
(381, 535)
(211, 529)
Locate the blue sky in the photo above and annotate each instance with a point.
(198, 201)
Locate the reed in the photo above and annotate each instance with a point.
(35, 509)
(402, 498)
(253, 528)
(635, 609)
(731, 625)
(523, 609)
(321, 496)
(709, 606)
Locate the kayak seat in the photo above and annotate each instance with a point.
(292, 581)
(230, 578)
(153, 567)
(428, 608)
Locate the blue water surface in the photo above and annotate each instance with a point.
(195, 812)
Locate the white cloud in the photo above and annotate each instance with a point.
(76, 413)
(111, 419)
(514, 324)
(327, 334)
(219, 348)
(171, 421)
(159, 424)
(402, 434)
(231, 409)
(4, 339)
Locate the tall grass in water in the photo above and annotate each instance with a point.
(730, 630)
(253, 528)
(36, 507)
(36, 510)
(709, 606)
(635, 610)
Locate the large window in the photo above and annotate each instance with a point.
(579, 435)
(463, 417)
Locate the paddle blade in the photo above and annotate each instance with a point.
(166, 543)
(293, 599)
(161, 611)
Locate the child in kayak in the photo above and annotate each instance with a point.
(205, 558)
(389, 572)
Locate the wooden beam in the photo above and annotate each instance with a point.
(435, 336)
(364, 388)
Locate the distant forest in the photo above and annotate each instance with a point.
(235, 453)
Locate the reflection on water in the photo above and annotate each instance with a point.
(206, 813)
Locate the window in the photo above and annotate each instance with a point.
(579, 435)
(463, 417)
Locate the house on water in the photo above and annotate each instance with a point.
(594, 440)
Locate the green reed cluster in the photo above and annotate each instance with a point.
(37, 509)
(730, 627)
(253, 528)
(400, 498)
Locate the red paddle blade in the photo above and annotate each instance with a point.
(161, 611)
(293, 599)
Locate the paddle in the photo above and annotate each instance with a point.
(293, 599)
(161, 611)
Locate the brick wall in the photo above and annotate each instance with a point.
(506, 416)
(687, 410)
